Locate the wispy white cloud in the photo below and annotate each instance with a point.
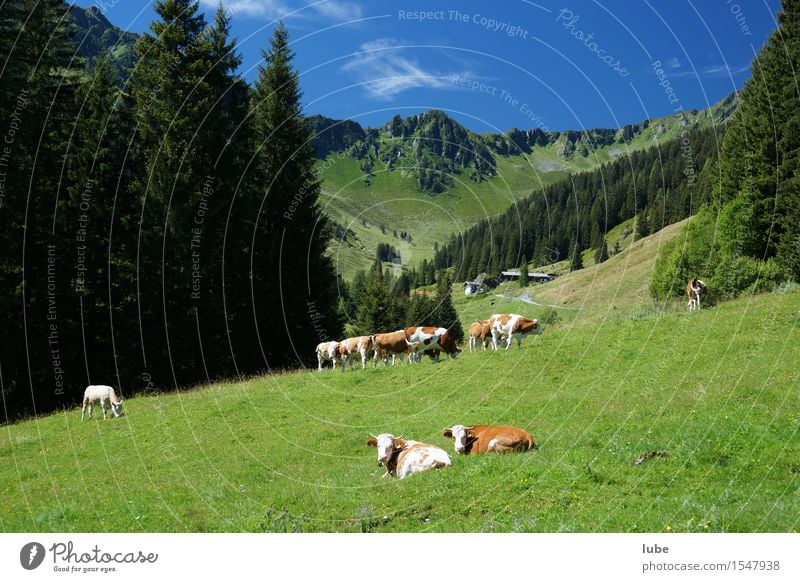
(386, 71)
(261, 8)
(673, 63)
(338, 10)
(714, 72)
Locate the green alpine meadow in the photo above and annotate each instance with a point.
(257, 258)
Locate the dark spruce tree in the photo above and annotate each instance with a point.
(178, 136)
(576, 258)
(446, 314)
(39, 80)
(293, 279)
(523, 273)
(601, 254)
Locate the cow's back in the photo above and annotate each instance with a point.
(499, 438)
(421, 457)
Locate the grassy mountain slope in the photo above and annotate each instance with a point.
(371, 177)
(287, 453)
(95, 33)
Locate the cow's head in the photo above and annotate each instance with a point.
(448, 345)
(460, 435)
(116, 409)
(386, 445)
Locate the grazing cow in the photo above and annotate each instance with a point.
(327, 352)
(479, 331)
(695, 290)
(351, 348)
(392, 343)
(403, 457)
(474, 440)
(104, 395)
(512, 326)
(432, 339)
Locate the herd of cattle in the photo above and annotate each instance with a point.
(412, 342)
(404, 457)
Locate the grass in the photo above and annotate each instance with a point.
(716, 390)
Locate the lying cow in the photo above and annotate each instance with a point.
(353, 347)
(393, 344)
(432, 339)
(479, 331)
(327, 352)
(403, 457)
(512, 326)
(474, 440)
(695, 290)
(104, 395)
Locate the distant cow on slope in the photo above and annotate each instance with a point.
(403, 457)
(432, 339)
(474, 440)
(351, 348)
(695, 290)
(392, 344)
(327, 352)
(104, 395)
(479, 331)
(512, 326)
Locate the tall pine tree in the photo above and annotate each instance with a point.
(292, 275)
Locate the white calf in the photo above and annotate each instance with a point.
(102, 394)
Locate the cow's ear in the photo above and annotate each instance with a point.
(372, 442)
(447, 433)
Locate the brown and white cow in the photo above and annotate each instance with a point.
(512, 326)
(351, 348)
(392, 344)
(479, 331)
(327, 352)
(695, 290)
(432, 339)
(474, 440)
(404, 457)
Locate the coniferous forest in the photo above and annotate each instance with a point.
(157, 230)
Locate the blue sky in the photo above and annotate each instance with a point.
(571, 64)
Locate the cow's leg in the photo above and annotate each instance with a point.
(494, 341)
(103, 406)
(83, 410)
(510, 339)
(319, 362)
